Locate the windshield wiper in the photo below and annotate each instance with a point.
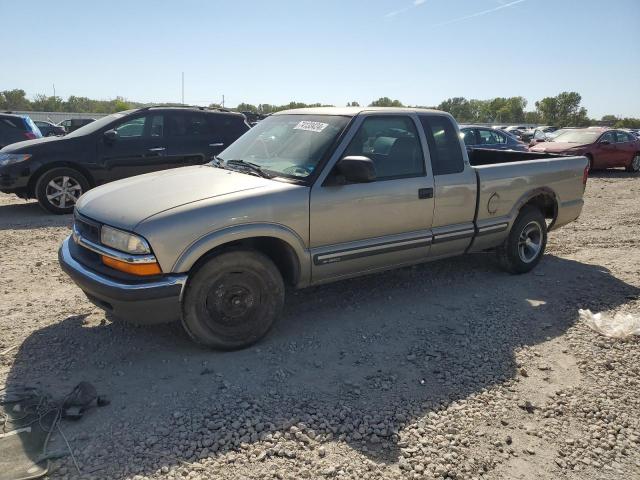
(252, 167)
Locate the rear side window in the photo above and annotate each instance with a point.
(622, 137)
(444, 145)
(226, 127)
(187, 125)
(12, 122)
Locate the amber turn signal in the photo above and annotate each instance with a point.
(141, 269)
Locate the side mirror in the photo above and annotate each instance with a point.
(110, 136)
(605, 142)
(356, 169)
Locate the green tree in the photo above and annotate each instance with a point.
(353, 104)
(459, 107)
(247, 107)
(44, 103)
(563, 110)
(386, 102)
(15, 99)
(628, 123)
(609, 119)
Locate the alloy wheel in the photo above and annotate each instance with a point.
(530, 242)
(63, 191)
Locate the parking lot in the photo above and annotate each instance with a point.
(452, 368)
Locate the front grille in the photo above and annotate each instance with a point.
(88, 229)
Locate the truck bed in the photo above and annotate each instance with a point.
(504, 177)
(481, 156)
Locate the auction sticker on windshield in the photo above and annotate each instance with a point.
(311, 126)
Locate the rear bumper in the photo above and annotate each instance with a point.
(141, 302)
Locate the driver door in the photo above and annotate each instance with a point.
(362, 227)
(139, 148)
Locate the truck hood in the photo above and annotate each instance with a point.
(555, 147)
(126, 203)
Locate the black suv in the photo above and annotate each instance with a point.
(57, 170)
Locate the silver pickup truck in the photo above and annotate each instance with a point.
(305, 197)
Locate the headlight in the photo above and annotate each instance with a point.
(123, 241)
(11, 158)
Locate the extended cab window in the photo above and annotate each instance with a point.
(393, 145)
(444, 145)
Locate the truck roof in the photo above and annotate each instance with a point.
(352, 111)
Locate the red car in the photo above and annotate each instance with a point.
(605, 148)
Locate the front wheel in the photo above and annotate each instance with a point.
(525, 245)
(634, 166)
(59, 189)
(232, 300)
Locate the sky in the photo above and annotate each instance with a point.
(330, 51)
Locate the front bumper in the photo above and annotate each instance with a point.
(143, 302)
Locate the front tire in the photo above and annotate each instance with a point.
(232, 300)
(525, 245)
(634, 166)
(58, 189)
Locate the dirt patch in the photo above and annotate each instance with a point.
(450, 369)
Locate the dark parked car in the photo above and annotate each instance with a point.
(490, 138)
(603, 147)
(49, 129)
(72, 124)
(57, 170)
(16, 128)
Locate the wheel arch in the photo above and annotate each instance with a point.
(544, 199)
(35, 176)
(277, 242)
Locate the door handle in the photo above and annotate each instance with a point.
(216, 144)
(157, 149)
(425, 193)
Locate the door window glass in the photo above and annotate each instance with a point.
(622, 137)
(489, 137)
(608, 137)
(131, 129)
(469, 137)
(157, 126)
(392, 144)
(444, 145)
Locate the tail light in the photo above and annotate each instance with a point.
(585, 175)
(30, 135)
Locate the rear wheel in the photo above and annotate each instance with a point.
(526, 242)
(634, 166)
(232, 300)
(59, 189)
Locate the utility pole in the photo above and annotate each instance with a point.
(182, 88)
(222, 101)
(54, 90)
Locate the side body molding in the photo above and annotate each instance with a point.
(247, 231)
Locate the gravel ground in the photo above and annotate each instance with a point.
(452, 369)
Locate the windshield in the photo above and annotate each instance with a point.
(578, 136)
(97, 125)
(287, 145)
